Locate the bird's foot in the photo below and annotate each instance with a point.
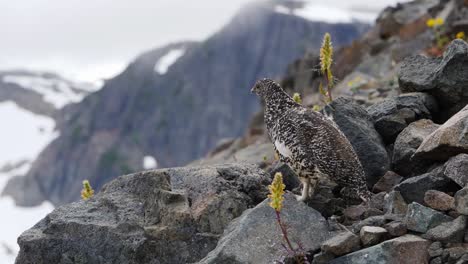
(301, 198)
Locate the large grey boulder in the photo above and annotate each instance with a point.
(392, 115)
(255, 236)
(406, 144)
(445, 78)
(161, 216)
(453, 231)
(448, 140)
(354, 121)
(408, 249)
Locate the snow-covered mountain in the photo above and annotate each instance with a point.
(28, 103)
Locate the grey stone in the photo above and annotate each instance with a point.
(371, 235)
(392, 115)
(322, 258)
(406, 145)
(456, 169)
(387, 182)
(461, 201)
(378, 220)
(290, 178)
(453, 231)
(169, 216)
(437, 260)
(255, 236)
(448, 140)
(394, 203)
(439, 200)
(414, 189)
(377, 201)
(453, 254)
(396, 228)
(420, 218)
(357, 126)
(435, 249)
(444, 78)
(408, 249)
(342, 243)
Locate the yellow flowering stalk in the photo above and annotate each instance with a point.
(87, 191)
(276, 192)
(430, 22)
(436, 24)
(297, 98)
(276, 202)
(460, 35)
(326, 61)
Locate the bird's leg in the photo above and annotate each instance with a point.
(313, 186)
(305, 189)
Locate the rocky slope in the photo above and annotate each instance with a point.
(172, 114)
(418, 215)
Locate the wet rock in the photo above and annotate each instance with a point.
(255, 237)
(172, 215)
(439, 200)
(357, 126)
(461, 201)
(394, 203)
(387, 182)
(396, 228)
(371, 235)
(408, 249)
(448, 140)
(444, 78)
(342, 243)
(420, 218)
(392, 115)
(456, 169)
(406, 145)
(453, 231)
(414, 189)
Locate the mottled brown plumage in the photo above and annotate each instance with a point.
(311, 144)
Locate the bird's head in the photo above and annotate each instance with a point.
(265, 88)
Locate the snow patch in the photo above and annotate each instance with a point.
(163, 64)
(326, 13)
(149, 162)
(57, 91)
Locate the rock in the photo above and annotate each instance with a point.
(435, 249)
(140, 218)
(355, 212)
(420, 218)
(392, 115)
(408, 249)
(453, 254)
(437, 260)
(439, 200)
(456, 169)
(406, 145)
(461, 201)
(342, 243)
(453, 231)
(378, 220)
(371, 235)
(290, 178)
(255, 236)
(387, 182)
(448, 140)
(444, 78)
(354, 121)
(396, 228)
(394, 203)
(414, 189)
(377, 201)
(322, 258)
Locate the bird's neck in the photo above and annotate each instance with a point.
(277, 105)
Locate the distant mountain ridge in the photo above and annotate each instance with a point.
(176, 116)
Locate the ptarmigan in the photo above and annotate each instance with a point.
(310, 143)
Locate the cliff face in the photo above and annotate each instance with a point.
(177, 113)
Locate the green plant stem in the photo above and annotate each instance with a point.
(328, 86)
(283, 230)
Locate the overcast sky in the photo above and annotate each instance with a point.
(89, 39)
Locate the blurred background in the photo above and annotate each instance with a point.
(96, 89)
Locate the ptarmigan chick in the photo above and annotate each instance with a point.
(310, 143)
